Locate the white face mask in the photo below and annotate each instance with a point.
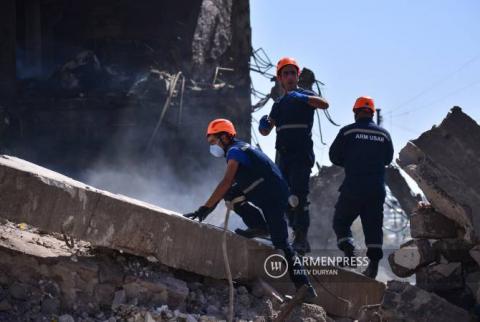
(216, 151)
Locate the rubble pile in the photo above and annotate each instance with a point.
(444, 252)
(323, 196)
(58, 205)
(41, 279)
(405, 302)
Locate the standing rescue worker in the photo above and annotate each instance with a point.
(252, 178)
(292, 115)
(363, 149)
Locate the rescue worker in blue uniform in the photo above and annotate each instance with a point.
(293, 115)
(363, 149)
(251, 178)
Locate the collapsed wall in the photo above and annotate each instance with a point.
(57, 204)
(444, 251)
(441, 161)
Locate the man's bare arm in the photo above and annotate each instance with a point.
(224, 185)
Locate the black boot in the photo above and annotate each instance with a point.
(252, 232)
(372, 269)
(311, 295)
(349, 253)
(307, 293)
(300, 242)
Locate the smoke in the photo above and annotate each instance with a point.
(162, 186)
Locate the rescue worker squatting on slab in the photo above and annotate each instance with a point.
(252, 179)
(292, 115)
(363, 149)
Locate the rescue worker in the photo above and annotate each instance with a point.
(292, 115)
(251, 177)
(363, 149)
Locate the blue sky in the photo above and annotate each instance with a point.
(417, 59)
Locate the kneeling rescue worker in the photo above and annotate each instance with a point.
(363, 149)
(292, 115)
(252, 178)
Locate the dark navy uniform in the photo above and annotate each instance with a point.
(294, 121)
(259, 182)
(363, 149)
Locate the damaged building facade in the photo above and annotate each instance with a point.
(88, 81)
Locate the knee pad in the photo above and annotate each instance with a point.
(237, 205)
(293, 201)
(345, 243)
(235, 196)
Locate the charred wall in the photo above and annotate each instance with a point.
(87, 80)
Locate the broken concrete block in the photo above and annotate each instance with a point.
(411, 255)
(104, 294)
(307, 312)
(162, 289)
(428, 223)
(119, 298)
(405, 302)
(453, 250)
(440, 277)
(55, 203)
(400, 189)
(66, 318)
(441, 162)
(50, 306)
(19, 291)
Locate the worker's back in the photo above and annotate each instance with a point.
(257, 175)
(363, 149)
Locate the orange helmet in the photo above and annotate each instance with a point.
(287, 61)
(364, 102)
(221, 125)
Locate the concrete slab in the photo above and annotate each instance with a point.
(55, 203)
(443, 162)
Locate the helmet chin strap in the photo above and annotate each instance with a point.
(224, 145)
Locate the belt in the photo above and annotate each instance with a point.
(253, 185)
(292, 126)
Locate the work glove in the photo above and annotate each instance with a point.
(201, 213)
(298, 96)
(264, 124)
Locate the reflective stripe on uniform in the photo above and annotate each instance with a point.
(367, 131)
(292, 126)
(253, 185)
(238, 200)
(341, 240)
